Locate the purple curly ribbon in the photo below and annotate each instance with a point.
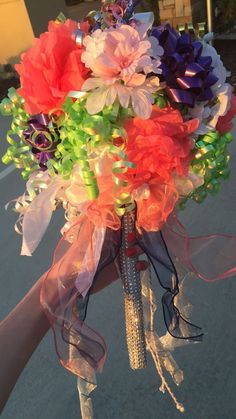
(36, 136)
(187, 73)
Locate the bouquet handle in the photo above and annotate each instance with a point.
(135, 332)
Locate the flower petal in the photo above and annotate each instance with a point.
(124, 95)
(136, 80)
(92, 83)
(96, 101)
(111, 95)
(141, 105)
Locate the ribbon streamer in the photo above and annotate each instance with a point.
(65, 306)
(194, 253)
(161, 357)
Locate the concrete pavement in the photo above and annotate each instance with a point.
(46, 391)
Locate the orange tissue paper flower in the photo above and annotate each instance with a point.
(51, 68)
(153, 211)
(160, 147)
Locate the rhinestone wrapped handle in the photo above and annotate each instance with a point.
(133, 299)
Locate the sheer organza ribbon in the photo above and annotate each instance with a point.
(85, 250)
(211, 257)
(81, 253)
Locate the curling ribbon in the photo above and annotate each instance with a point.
(18, 152)
(73, 149)
(42, 134)
(123, 200)
(81, 157)
(80, 134)
(212, 162)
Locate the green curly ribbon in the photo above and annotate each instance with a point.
(81, 135)
(19, 152)
(212, 162)
(161, 99)
(123, 200)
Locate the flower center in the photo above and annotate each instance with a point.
(125, 62)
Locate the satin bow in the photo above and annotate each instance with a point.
(188, 74)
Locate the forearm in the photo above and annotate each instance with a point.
(23, 329)
(20, 333)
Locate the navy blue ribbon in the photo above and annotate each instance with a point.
(188, 75)
(154, 246)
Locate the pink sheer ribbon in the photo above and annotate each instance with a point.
(211, 257)
(80, 349)
(76, 259)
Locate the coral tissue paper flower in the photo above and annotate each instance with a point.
(161, 148)
(51, 68)
(160, 145)
(119, 59)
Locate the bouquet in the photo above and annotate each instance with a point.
(120, 123)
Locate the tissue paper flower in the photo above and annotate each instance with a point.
(51, 68)
(160, 145)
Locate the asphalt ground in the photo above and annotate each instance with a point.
(46, 391)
